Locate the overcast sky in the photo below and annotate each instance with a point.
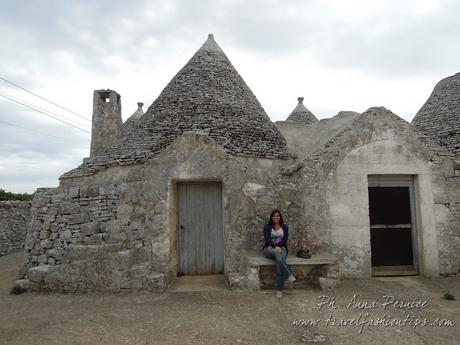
(338, 55)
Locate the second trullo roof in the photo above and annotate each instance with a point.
(301, 114)
(208, 95)
(439, 117)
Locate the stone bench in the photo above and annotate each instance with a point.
(325, 267)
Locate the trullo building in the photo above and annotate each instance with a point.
(186, 188)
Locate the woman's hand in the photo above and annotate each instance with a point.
(277, 249)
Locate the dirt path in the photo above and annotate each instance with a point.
(225, 317)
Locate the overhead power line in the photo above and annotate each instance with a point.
(43, 98)
(42, 112)
(45, 110)
(34, 131)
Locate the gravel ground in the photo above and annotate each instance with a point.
(233, 317)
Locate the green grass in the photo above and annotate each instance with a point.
(449, 297)
(17, 290)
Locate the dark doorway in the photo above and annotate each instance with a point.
(391, 226)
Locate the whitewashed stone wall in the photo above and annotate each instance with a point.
(335, 191)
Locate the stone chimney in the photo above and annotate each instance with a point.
(107, 122)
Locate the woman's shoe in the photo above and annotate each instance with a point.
(292, 278)
(279, 294)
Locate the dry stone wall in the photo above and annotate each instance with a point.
(14, 216)
(61, 218)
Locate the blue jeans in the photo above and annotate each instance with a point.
(282, 269)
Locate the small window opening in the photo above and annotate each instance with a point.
(105, 97)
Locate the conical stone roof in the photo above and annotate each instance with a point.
(301, 114)
(439, 117)
(206, 95)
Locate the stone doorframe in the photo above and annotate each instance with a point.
(349, 207)
(402, 181)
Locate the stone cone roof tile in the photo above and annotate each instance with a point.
(439, 117)
(206, 95)
(301, 114)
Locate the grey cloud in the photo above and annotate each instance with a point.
(94, 31)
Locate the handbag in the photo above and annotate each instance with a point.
(304, 254)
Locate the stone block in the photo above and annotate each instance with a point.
(77, 218)
(65, 234)
(253, 280)
(57, 198)
(89, 191)
(54, 253)
(68, 208)
(53, 211)
(138, 273)
(155, 281)
(46, 225)
(236, 281)
(44, 234)
(74, 192)
(41, 201)
(37, 274)
(121, 280)
(94, 239)
(143, 254)
(327, 283)
(90, 228)
(23, 283)
(46, 244)
(123, 260)
(107, 189)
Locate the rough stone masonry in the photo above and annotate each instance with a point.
(14, 216)
(112, 222)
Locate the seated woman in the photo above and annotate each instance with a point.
(276, 235)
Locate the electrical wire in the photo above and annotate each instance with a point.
(41, 109)
(43, 98)
(34, 131)
(42, 112)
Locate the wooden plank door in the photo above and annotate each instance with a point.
(200, 229)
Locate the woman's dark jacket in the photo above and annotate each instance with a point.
(269, 241)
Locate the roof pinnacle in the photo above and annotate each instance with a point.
(301, 114)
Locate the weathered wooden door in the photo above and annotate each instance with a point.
(200, 242)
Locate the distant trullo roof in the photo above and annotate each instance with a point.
(439, 117)
(302, 114)
(139, 111)
(206, 95)
(129, 123)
